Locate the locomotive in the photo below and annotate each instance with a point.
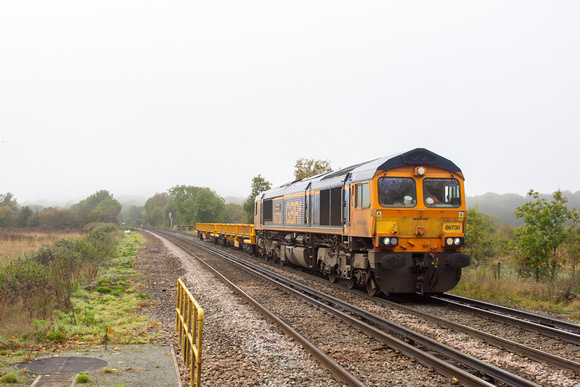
(395, 224)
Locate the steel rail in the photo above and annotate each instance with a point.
(443, 367)
(569, 337)
(339, 373)
(539, 319)
(497, 341)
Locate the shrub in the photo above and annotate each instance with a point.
(103, 290)
(56, 335)
(83, 378)
(9, 378)
(24, 284)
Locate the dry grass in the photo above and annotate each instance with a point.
(546, 296)
(15, 242)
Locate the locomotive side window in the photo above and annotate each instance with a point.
(441, 192)
(397, 192)
(362, 196)
(267, 210)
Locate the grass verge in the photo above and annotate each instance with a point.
(527, 293)
(105, 311)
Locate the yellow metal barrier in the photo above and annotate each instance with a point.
(189, 325)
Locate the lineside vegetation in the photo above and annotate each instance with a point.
(533, 266)
(73, 293)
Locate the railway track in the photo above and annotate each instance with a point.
(376, 327)
(554, 327)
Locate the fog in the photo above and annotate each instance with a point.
(136, 97)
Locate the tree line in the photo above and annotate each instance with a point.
(181, 205)
(188, 205)
(101, 207)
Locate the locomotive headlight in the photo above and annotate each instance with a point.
(454, 241)
(420, 171)
(390, 241)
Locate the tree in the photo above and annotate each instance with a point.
(8, 209)
(209, 207)
(183, 197)
(234, 213)
(479, 236)
(309, 167)
(259, 185)
(57, 218)
(155, 210)
(197, 204)
(548, 227)
(99, 207)
(25, 217)
(132, 215)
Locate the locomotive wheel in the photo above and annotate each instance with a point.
(332, 277)
(351, 282)
(372, 287)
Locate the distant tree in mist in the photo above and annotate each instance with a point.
(156, 210)
(99, 207)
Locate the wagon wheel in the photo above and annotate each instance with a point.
(372, 287)
(351, 282)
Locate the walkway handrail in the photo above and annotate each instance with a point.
(189, 326)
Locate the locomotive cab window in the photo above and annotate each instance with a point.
(441, 192)
(397, 192)
(362, 197)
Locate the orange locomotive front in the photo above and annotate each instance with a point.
(395, 224)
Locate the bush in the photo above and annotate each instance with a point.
(9, 378)
(83, 378)
(46, 280)
(24, 284)
(56, 335)
(103, 290)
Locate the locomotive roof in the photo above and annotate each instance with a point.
(417, 156)
(366, 170)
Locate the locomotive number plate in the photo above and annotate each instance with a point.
(453, 227)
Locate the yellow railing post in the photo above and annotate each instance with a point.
(189, 326)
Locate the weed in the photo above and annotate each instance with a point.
(103, 290)
(118, 290)
(143, 296)
(57, 335)
(109, 370)
(83, 378)
(9, 378)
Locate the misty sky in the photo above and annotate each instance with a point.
(138, 96)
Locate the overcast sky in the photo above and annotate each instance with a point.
(136, 97)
